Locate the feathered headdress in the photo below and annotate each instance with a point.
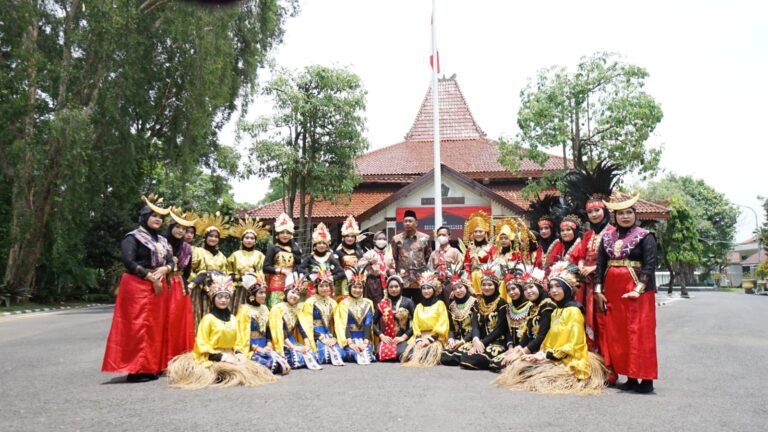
(321, 234)
(543, 210)
(153, 202)
(253, 282)
(321, 272)
(567, 274)
(490, 272)
(358, 276)
(456, 275)
(249, 225)
(588, 189)
(350, 227)
(181, 218)
(220, 284)
(477, 220)
(283, 223)
(514, 272)
(295, 281)
(535, 276)
(429, 278)
(210, 222)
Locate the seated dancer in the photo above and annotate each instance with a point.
(135, 343)
(379, 264)
(392, 321)
(253, 319)
(430, 326)
(353, 321)
(281, 259)
(489, 324)
(479, 250)
(247, 259)
(318, 310)
(321, 255)
(536, 325)
(460, 313)
(216, 360)
(517, 312)
(288, 331)
(564, 364)
(348, 253)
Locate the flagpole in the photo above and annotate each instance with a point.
(436, 128)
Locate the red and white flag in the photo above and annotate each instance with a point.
(435, 56)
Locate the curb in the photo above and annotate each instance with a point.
(50, 309)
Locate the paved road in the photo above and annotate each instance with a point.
(714, 376)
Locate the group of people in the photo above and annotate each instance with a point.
(552, 309)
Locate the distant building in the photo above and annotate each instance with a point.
(743, 260)
(400, 176)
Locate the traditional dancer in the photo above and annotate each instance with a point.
(353, 322)
(208, 258)
(248, 259)
(319, 309)
(489, 323)
(282, 258)
(321, 256)
(430, 326)
(543, 210)
(443, 259)
(392, 321)
(348, 253)
(289, 329)
(479, 250)
(626, 270)
(135, 342)
(461, 313)
(217, 360)
(378, 264)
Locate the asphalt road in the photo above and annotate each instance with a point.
(712, 355)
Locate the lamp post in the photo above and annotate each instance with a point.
(757, 235)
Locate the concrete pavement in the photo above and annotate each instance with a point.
(712, 352)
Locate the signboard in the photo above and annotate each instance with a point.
(453, 217)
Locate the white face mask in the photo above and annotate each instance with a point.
(381, 244)
(443, 240)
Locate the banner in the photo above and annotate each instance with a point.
(453, 218)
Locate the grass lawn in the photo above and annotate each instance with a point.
(32, 306)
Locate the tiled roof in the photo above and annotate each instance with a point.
(754, 259)
(474, 158)
(354, 204)
(456, 121)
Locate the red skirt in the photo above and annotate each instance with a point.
(135, 342)
(180, 326)
(630, 326)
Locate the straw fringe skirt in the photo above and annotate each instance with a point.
(422, 357)
(185, 373)
(553, 378)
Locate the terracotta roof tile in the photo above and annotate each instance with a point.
(456, 121)
(354, 204)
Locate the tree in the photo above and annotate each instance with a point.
(713, 213)
(598, 112)
(680, 245)
(764, 229)
(311, 142)
(99, 97)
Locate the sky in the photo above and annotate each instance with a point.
(707, 60)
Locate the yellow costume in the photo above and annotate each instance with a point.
(566, 341)
(204, 261)
(215, 336)
(238, 264)
(430, 323)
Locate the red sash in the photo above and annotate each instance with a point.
(387, 351)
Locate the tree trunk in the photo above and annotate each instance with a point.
(683, 280)
(308, 229)
(302, 210)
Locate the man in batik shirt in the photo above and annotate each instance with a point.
(411, 250)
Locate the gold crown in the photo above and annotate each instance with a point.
(153, 202)
(181, 218)
(321, 234)
(350, 227)
(209, 222)
(618, 201)
(249, 225)
(479, 219)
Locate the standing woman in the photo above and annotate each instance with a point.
(379, 264)
(135, 342)
(430, 326)
(348, 253)
(217, 359)
(319, 310)
(543, 210)
(248, 259)
(321, 256)
(253, 319)
(460, 314)
(479, 250)
(392, 321)
(282, 258)
(626, 270)
(353, 322)
(567, 246)
(289, 331)
(180, 330)
(489, 324)
(207, 258)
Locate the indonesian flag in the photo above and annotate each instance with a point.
(435, 56)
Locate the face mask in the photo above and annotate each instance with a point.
(381, 244)
(443, 240)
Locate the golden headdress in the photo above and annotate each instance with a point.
(321, 272)
(181, 218)
(571, 220)
(220, 284)
(350, 227)
(249, 225)
(209, 222)
(283, 223)
(321, 234)
(478, 219)
(153, 202)
(620, 202)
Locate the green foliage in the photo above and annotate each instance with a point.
(714, 215)
(310, 143)
(600, 111)
(761, 271)
(764, 229)
(130, 96)
(681, 240)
